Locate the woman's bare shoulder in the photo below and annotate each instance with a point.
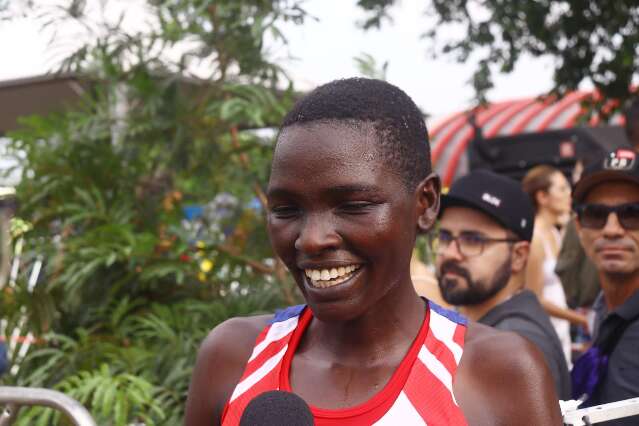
(498, 366)
(235, 334)
(220, 363)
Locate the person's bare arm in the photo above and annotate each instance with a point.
(220, 363)
(570, 315)
(535, 283)
(503, 380)
(535, 267)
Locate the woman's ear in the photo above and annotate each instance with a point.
(428, 193)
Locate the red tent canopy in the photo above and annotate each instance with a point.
(450, 137)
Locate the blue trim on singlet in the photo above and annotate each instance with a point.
(287, 313)
(451, 315)
(294, 311)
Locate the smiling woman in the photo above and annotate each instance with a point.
(350, 190)
(341, 212)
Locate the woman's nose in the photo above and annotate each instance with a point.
(317, 234)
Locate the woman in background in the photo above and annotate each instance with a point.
(549, 191)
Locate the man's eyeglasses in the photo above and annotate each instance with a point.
(468, 243)
(595, 216)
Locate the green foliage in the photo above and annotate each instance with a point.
(129, 287)
(368, 67)
(114, 398)
(135, 362)
(378, 11)
(589, 40)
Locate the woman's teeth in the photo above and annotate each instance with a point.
(329, 277)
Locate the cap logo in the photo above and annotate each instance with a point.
(523, 223)
(491, 199)
(621, 159)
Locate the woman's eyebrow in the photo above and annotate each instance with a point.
(279, 192)
(353, 188)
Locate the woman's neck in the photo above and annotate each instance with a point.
(392, 325)
(547, 219)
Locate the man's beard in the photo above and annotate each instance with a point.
(476, 292)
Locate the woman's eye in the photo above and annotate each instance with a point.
(355, 207)
(284, 211)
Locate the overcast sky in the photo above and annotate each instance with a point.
(325, 50)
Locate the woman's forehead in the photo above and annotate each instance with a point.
(330, 137)
(329, 155)
(327, 145)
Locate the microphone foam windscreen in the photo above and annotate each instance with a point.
(277, 408)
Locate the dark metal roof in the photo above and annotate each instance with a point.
(36, 95)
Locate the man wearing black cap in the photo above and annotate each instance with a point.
(490, 221)
(606, 201)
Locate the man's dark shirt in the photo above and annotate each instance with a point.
(577, 273)
(621, 380)
(524, 315)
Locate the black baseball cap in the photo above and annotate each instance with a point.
(620, 164)
(497, 196)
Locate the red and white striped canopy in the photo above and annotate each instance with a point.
(450, 137)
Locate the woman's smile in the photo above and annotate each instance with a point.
(324, 278)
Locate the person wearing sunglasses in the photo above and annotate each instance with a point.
(606, 203)
(482, 248)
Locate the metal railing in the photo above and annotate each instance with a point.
(13, 398)
(602, 413)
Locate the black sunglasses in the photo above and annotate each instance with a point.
(595, 216)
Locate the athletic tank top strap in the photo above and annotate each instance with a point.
(420, 391)
(548, 249)
(261, 373)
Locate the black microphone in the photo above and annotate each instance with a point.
(277, 408)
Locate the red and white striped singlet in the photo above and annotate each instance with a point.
(419, 392)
